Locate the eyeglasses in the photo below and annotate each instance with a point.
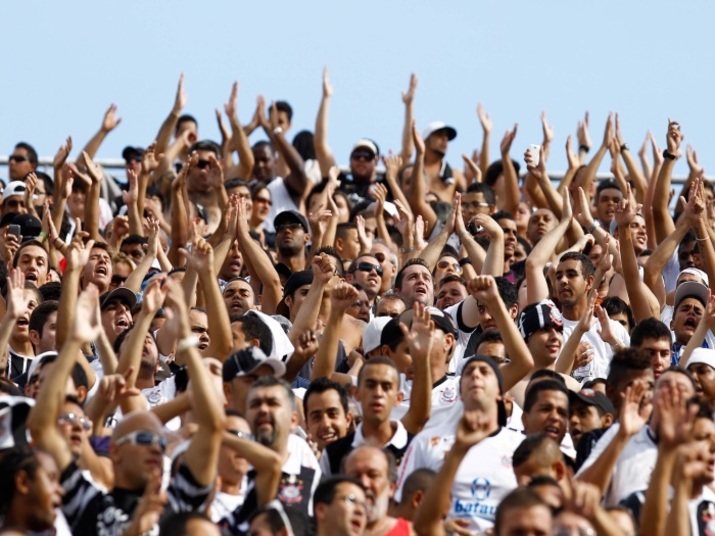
(203, 164)
(288, 227)
(17, 158)
(263, 200)
(362, 155)
(144, 439)
(444, 265)
(368, 267)
(354, 501)
(73, 419)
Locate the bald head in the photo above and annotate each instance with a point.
(137, 420)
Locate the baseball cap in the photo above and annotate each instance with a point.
(121, 293)
(434, 126)
(30, 226)
(373, 332)
(697, 273)
(246, 361)
(441, 320)
(14, 189)
(294, 282)
(365, 143)
(691, 289)
(541, 315)
(291, 216)
(132, 153)
(591, 397)
(705, 356)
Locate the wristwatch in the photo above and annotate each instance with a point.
(668, 155)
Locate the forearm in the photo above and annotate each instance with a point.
(654, 513)
(326, 357)
(93, 144)
(308, 316)
(477, 255)
(320, 140)
(91, 212)
(165, 132)
(67, 305)
(564, 363)
(588, 175)
(179, 228)
(418, 194)
(695, 341)
(662, 254)
(264, 269)
(678, 523)
(635, 174)
(494, 258)
(408, 145)
(266, 463)
(131, 352)
(432, 252)
(105, 352)
(421, 395)
(241, 144)
(661, 195)
(175, 407)
(135, 279)
(599, 473)
(707, 252)
(636, 293)
(511, 186)
(218, 321)
(521, 361)
(536, 286)
(484, 155)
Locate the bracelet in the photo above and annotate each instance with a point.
(593, 227)
(407, 250)
(42, 236)
(668, 155)
(465, 261)
(624, 147)
(192, 341)
(54, 242)
(278, 130)
(584, 148)
(701, 239)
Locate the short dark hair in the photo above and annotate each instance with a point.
(255, 328)
(14, 460)
(606, 185)
(624, 361)
(31, 153)
(518, 499)
(283, 106)
(410, 262)
(273, 381)
(79, 376)
(650, 328)
(330, 250)
(548, 374)
(132, 240)
(586, 264)
(25, 244)
(507, 291)
(46, 181)
(341, 231)
(485, 189)
(379, 360)
(321, 385)
(418, 480)
(326, 490)
(206, 145)
(503, 215)
(452, 278)
(41, 313)
(51, 290)
(496, 168)
(614, 305)
(532, 395)
(185, 118)
(176, 523)
(235, 183)
(303, 143)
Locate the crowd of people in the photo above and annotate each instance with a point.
(244, 338)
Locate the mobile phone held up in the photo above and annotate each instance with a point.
(14, 229)
(533, 152)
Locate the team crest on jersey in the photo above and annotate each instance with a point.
(291, 491)
(448, 394)
(705, 515)
(481, 488)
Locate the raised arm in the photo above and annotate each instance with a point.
(62, 177)
(588, 175)
(661, 194)
(167, 128)
(634, 172)
(536, 287)
(408, 97)
(16, 303)
(202, 454)
(42, 421)
(109, 123)
(494, 258)
(239, 139)
(264, 461)
(342, 297)
(296, 181)
(323, 270)
(484, 290)
(135, 279)
(418, 192)
(419, 339)
(77, 258)
(434, 248)
(487, 126)
(325, 157)
(509, 198)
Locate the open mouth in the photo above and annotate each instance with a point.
(23, 322)
(329, 437)
(122, 323)
(101, 271)
(31, 276)
(552, 431)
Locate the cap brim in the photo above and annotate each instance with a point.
(121, 293)
(279, 368)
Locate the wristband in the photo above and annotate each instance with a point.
(192, 341)
(669, 156)
(701, 239)
(624, 147)
(42, 236)
(407, 250)
(584, 148)
(593, 227)
(278, 130)
(465, 261)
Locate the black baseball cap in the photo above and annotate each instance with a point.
(591, 397)
(541, 315)
(132, 153)
(291, 216)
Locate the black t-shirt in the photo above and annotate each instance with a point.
(91, 511)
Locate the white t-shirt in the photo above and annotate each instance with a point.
(702, 513)
(224, 504)
(281, 200)
(633, 467)
(483, 479)
(462, 338)
(445, 396)
(598, 367)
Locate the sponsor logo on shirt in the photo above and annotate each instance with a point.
(481, 490)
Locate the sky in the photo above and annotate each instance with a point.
(66, 62)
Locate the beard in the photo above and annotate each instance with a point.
(266, 440)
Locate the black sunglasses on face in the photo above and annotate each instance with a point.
(203, 164)
(362, 155)
(369, 267)
(17, 158)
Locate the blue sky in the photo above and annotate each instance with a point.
(64, 63)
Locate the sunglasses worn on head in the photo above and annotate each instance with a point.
(369, 267)
(144, 439)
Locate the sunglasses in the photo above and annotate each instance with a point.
(443, 265)
(144, 439)
(368, 267)
(288, 227)
(203, 164)
(362, 155)
(238, 433)
(263, 200)
(17, 158)
(118, 280)
(73, 419)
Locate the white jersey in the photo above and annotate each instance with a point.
(598, 368)
(633, 468)
(281, 201)
(483, 479)
(445, 396)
